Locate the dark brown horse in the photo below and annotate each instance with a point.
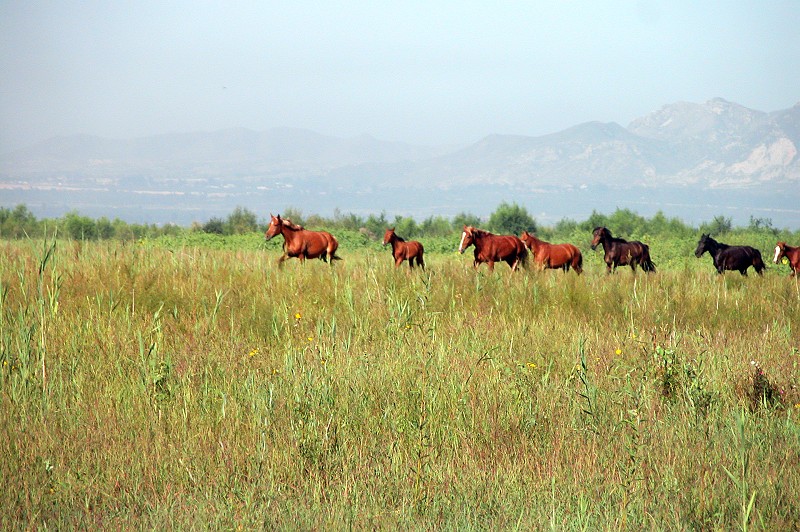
(493, 248)
(619, 252)
(301, 243)
(402, 250)
(730, 257)
(547, 255)
(791, 253)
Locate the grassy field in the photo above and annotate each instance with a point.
(180, 386)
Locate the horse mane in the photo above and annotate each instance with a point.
(291, 225)
(714, 242)
(479, 232)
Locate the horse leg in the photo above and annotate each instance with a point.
(283, 258)
(491, 266)
(398, 261)
(420, 262)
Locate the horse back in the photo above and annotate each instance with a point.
(733, 257)
(317, 243)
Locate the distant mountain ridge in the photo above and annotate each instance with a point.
(715, 144)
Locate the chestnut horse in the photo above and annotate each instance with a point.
(730, 257)
(402, 250)
(300, 243)
(619, 252)
(791, 253)
(493, 248)
(547, 255)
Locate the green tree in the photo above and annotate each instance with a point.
(376, 225)
(511, 219)
(718, 226)
(464, 218)
(241, 221)
(215, 226)
(436, 226)
(406, 226)
(80, 227)
(105, 229)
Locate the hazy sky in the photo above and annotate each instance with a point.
(424, 72)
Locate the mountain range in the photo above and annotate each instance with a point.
(716, 145)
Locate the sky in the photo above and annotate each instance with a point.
(433, 73)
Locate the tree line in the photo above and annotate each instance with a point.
(508, 218)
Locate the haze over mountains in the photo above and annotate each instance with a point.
(690, 160)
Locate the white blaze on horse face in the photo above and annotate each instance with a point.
(777, 254)
(461, 245)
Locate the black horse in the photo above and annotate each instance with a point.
(619, 252)
(730, 257)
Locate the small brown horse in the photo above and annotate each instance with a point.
(791, 253)
(547, 255)
(402, 250)
(493, 248)
(620, 252)
(301, 243)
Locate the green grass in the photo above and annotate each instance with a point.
(192, 385)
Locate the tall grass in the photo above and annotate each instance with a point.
(198, 387)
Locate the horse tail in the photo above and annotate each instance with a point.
(523, 255)
(577, 263)
(333, 245)
(647, 264)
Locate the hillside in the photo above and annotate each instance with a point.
(717, 145)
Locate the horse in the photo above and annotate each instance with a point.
(301, 243)
(730, 257)
(547, 255)
(402, 250)
(491, 248)
(619, 252)
(791, 253)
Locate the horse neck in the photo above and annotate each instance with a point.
(534, 243)
(715, 247)
(289, 232)
(396, 242)
(478, 237)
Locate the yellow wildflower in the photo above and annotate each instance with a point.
(618, 351)
(297, 316)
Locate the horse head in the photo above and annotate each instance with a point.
(467, 238)
(387, 236)
(598, 235)
(780, 251)
(275, 226)
(706, 243)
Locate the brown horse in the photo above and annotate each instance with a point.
(547, 255)
(619, 252)
(402, 250)
(492, 248)
(791, 253)
(301, 243)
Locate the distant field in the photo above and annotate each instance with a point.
(189, 383)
